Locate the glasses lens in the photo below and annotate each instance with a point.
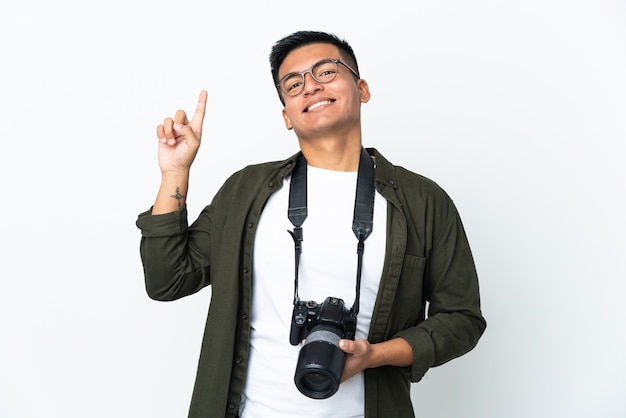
(324, 71)
(292, 84)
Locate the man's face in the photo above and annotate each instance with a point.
(332, 108)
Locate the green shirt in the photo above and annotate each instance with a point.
(428, 264)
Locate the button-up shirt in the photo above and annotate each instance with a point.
(429, 293)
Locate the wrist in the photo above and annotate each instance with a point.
(172, 195)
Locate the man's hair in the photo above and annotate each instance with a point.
(283, 47)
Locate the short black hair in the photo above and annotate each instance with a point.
(284, 46)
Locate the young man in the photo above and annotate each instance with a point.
(411, 249)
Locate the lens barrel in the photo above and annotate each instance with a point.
(320, 363)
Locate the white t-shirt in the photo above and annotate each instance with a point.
(328, 266)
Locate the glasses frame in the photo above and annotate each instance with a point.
(310, 71)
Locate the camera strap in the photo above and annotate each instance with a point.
(362, 222)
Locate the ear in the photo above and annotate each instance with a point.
(288, 124)
(364, 91)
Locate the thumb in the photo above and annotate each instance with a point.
(347, 346)
(185, 132)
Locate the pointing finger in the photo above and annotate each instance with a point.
(200, 107)
(198, 114)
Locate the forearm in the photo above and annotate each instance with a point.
(172, 194)
(394, 352)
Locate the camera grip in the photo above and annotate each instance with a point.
(298, 332)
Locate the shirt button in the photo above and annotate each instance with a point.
(244, 316)
(238, 360)
(231, 406)
(250, 225)
(271, 184)
(245, 271)
(392, 182)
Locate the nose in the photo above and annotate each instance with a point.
(311, 85)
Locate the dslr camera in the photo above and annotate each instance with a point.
(320, 361)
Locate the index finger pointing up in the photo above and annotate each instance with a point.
(198, 114)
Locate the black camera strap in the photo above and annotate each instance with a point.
(362, 222)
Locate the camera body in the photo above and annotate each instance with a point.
(332, 312)
(320, 361)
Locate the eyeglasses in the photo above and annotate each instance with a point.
(323, 72)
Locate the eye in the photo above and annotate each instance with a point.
(325, 71)
(291, 82)
(293, 86)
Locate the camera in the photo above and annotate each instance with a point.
(320, 361)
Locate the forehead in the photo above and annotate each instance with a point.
(304, 57)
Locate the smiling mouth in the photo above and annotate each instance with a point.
(318, 104)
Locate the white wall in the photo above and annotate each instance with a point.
(516, 108)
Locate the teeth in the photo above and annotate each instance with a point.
(318, 104)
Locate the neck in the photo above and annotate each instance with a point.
(332, 155)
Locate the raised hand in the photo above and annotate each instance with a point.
(179, 138)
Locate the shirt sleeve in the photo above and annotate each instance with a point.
(175, 256)
(454, 322)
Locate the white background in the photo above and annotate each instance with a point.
(516, 108)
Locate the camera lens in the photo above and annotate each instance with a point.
(314, 382)
(320, 363)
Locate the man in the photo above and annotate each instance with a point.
(411, 252)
